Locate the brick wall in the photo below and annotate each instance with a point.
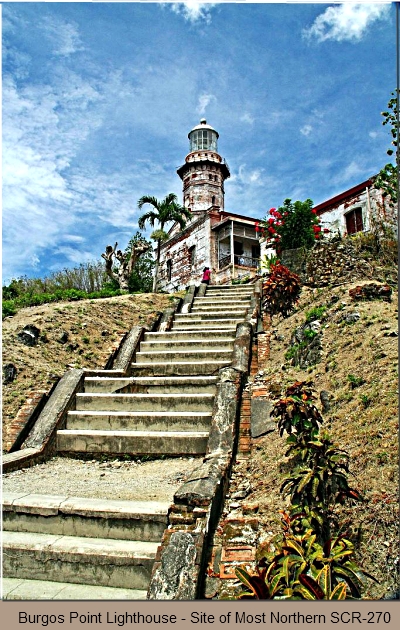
(24, 418)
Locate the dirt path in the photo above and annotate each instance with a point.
(154, 480)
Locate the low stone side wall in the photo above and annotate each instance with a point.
(127, 351)
(328, 262)
(187, 301)
(179, 569)
(41, 442)
(19, 428)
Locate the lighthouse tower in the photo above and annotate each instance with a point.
(204, 171)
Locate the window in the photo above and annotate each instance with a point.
(192, 255)
(255, 251)
(203, 140)
(237, 248)
(354, 221)
(169, 269)
(213, 200)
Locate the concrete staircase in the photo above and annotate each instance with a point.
(165, 406)
(57, 547)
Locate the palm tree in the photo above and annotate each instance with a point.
(164, 211)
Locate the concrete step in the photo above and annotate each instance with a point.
(140, 421)
(230, 287)
(216, 345)
(226, 295)
(19, 589)
(150, 385)
(144, 402)
(115, 563)
(133, 442)
(225, 314)
(178, 368)
(84, 517)
(235, 299)
(219, 308)
(203, 323)
(183, 355)
(181, 335)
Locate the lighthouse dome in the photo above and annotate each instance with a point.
(203, 137)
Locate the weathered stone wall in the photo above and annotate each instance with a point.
(203, 186)
(178, 251)
(24, 420)
(372, 204)
(328, 262)
(295, 260)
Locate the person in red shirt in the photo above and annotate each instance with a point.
(206, 275)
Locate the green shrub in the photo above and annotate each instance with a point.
(309, 334)
(281, 291)
(293, 225)
(309, 560)
(299, 567)
(296, 412)
(355, 381)
(315, 313)
(8, 308)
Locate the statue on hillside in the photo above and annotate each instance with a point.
(126, 261)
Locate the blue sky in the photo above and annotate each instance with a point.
(98, 99)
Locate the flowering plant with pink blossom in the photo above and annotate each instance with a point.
(293, 225)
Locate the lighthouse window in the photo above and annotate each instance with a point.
(203, 140)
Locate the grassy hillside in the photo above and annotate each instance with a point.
(358, 369)
(72, 334)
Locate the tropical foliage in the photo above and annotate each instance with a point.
(167, 210)
(387, 178)
(292, 225)
(281, 290)
(311, 558)
(139, 275)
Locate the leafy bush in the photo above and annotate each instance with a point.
(300, 568)
(8, 308)
(308, 561)
(292, 226)
(355, 381)
(318, 483)
(315, 313)
(296, 412)
(281, 291)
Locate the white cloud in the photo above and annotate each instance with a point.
(35, 260)
(43, 130)
(74, 255)
(346, 21)
(204, 101)
(373, 134)
(246, 176)
(63, 35)
(354, 172)
(306, 130)
(247, 118)
(193, 11)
